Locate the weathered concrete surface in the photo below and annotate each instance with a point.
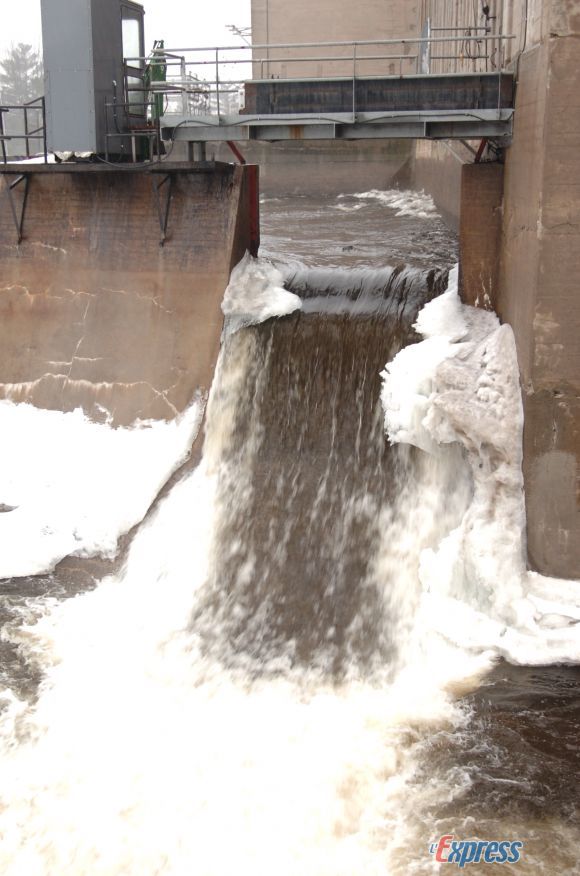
(538, 260)
(277, 21)
(459, 17)
(322, 167)
(437, 170)
(94, 313)
(480, 232)
(540, 268)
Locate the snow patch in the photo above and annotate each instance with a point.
(77, 486)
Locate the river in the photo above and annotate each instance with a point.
(254, 691)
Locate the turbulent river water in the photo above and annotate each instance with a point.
(258, 690)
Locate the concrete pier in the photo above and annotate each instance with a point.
(520, 246)
(539, 279)
(100, 306)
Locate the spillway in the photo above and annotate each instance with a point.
(263, 688)
(263, 603)
(306, 476)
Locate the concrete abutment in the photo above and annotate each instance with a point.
(95, 312)
(520, 246)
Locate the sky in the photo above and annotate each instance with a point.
(179, 22)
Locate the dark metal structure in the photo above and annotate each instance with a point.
(84, 43)
(33, 128)
(362, 99)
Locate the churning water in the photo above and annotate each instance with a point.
(263, 688)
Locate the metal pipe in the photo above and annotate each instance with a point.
(2, 109)
(298, 59)
(36, 136)
(184, 100)
(467, 27)
(457, 58)
(217, 75)
(44, 134)
(354, 83)
(389, 42)
(261, 61)
(26, 132)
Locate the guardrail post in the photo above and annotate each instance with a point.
(44, 137)
(217, 80)
(354, 82)
(184, 96)
(26, 141)
(4, 156)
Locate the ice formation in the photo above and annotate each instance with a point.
(256, 293)
(460, 385)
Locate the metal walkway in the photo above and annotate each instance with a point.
(374, 89)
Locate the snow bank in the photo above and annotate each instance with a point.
(461, 385)
(75, 486)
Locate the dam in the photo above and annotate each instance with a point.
(269, 595)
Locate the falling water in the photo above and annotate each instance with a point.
(254, 693)
(307, 477)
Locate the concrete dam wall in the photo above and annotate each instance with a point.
(94, 311)
(520, 245)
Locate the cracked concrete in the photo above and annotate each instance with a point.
(98, 395)
(94, 313)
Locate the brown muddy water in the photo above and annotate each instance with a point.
(228, 703)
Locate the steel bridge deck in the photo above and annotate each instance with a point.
(454, 106)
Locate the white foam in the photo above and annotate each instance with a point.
(405, 202)
(144, 755)
(460, 385)
(256, 293)
(348, 208)
(77, 486)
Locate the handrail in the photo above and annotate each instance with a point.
(204, 86)
(37, 104)
(389, 42)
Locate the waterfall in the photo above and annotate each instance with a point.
(253, 693)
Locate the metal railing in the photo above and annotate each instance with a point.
(210, 81)
(35, 108)
(129, 126)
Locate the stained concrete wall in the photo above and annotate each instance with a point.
(437, 170)
(458, 24)
(538, 294)
(94, 313)
(480, 229)
(322, 167)
(277, 21)
(537, 263)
